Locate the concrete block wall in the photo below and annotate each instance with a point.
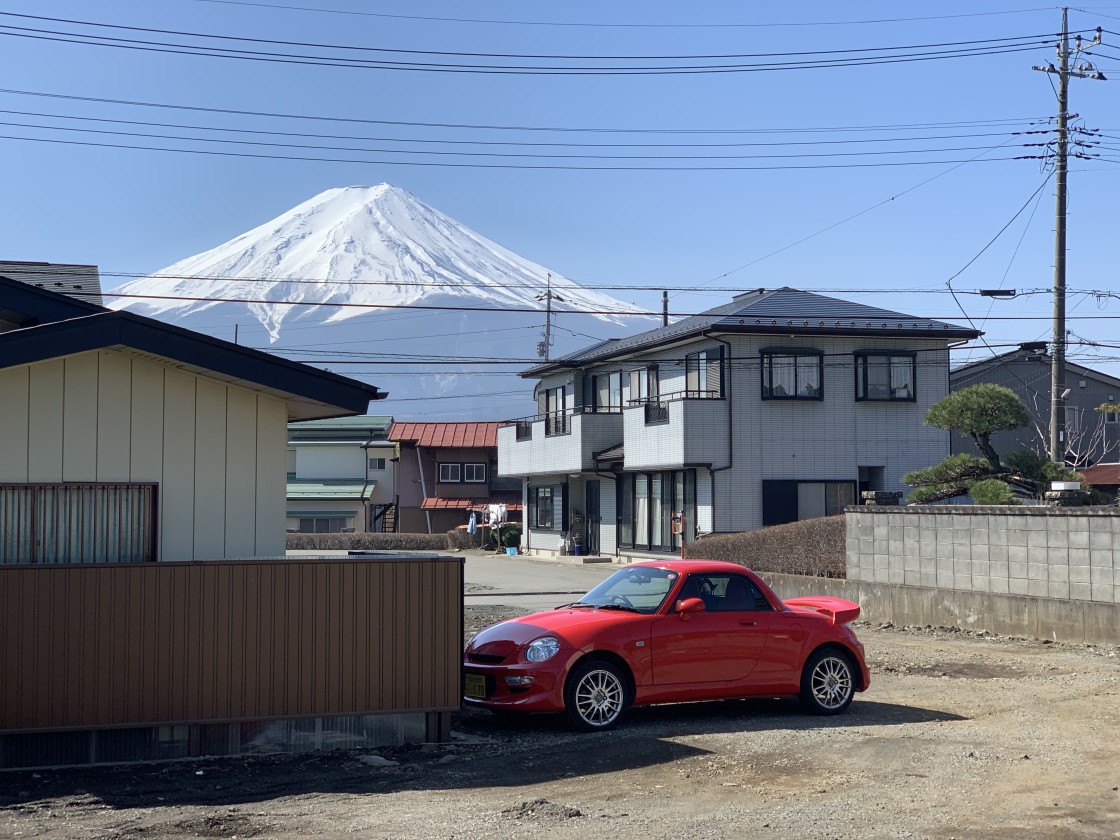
(1058, 553)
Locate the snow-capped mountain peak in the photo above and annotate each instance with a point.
(348, 248)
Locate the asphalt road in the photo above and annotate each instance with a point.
(527, 583)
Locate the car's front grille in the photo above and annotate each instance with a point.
(485, 659)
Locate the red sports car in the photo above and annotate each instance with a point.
(668, 632)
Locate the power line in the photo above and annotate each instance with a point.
(514, 309)
(476, 165)
(517, 143)
(986, 42)
(871, 56)
(31, 271)
(500, 155)
(558, 129)
(491, 22)
(844, 360)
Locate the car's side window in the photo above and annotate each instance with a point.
(725, 593)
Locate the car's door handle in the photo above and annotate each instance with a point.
(749, 623)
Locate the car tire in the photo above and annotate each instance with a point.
(828, 682)
(596, 695)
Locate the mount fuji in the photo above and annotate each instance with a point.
(344, 281)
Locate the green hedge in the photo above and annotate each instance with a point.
(810, 547)
(376, 541)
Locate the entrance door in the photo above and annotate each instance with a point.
(594, 516)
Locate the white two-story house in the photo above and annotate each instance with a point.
(778, 406)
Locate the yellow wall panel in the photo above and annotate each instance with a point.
(79, 429)
(45, 413)
(114, 415)
(210, 470)
(272, 480)
(176, 531)
(14, 386)
(146, 422)
(241, 473)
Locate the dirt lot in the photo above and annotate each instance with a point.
(961, 735)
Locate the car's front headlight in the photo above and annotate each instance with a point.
(542, 649)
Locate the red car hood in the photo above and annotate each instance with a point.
(502, 639)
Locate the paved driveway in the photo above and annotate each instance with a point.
(493, 579)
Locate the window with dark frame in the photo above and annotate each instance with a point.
(704, 374)
(473, 473)
(376, 464)
(542, 507)
(606, 393)
(645, 385)
(646, 503)
(555, 415)
(792, 374)
(325, 525)
(886, 376)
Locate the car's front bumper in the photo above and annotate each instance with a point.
(544, 691)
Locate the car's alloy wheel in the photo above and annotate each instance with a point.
(596, 695)
(827, 683)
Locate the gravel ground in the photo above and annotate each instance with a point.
(961, 735)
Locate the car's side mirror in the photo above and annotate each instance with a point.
(690, 605)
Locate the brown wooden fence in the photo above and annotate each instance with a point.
(86, 647)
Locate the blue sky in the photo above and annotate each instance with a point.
(138, 211)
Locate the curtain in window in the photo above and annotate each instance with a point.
(878, 377)
(902, 378)
(713, 364)
(641, 510)
(658, 512)
(626, 510)
(783, 376)
(808, 376)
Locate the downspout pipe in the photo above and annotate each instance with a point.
(423, 489)
(730, 418)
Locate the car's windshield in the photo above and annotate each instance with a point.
(641, 589)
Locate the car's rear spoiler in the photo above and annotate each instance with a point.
(838, 610)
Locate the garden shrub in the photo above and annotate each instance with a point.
(371, 541)
(810, 547)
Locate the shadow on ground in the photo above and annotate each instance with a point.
(488, 752)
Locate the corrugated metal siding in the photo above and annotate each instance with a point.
(77, 523)
(161, 643)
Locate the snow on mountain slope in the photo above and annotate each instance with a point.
(356, 245)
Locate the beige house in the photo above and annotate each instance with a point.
(128, 439)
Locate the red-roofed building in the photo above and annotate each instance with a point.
(1103, 477)
(446, 470)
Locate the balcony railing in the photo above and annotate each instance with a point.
(656, 412)
(557, 424)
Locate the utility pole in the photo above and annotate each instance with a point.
(1058, 352)
(547, 296)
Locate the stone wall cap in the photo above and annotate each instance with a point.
(986, 510)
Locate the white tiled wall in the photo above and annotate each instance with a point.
(1061, 554)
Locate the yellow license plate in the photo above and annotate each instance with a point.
(474, 685)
